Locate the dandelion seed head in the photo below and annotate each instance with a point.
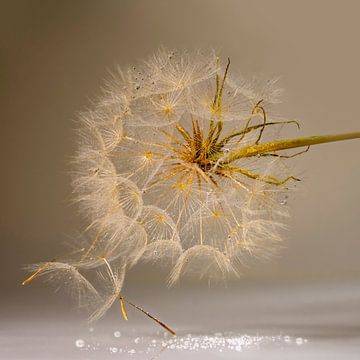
(178, 165)
(152, 174)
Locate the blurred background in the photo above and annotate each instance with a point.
(54, 58)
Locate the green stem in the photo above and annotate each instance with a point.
(259, 149)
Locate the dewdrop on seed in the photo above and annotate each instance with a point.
(177, 165)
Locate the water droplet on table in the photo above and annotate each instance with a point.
(113, 349)
(80, 343)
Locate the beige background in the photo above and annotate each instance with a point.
(55, 55)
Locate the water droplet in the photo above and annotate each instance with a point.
(132, 352)
(283, 202)
(136, 340)
(137, 87)
(80, 343)
(287, 339)
(117, 334)
(113, 349)
(299, 341)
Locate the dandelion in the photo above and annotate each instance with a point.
(178, 164)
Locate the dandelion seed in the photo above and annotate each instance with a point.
(113, 282)
(177, 165)
(64, 275)
(116, 280)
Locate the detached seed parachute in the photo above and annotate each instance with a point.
(178, 163)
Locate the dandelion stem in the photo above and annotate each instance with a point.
(260, 149)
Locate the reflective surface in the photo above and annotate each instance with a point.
(254, 322)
